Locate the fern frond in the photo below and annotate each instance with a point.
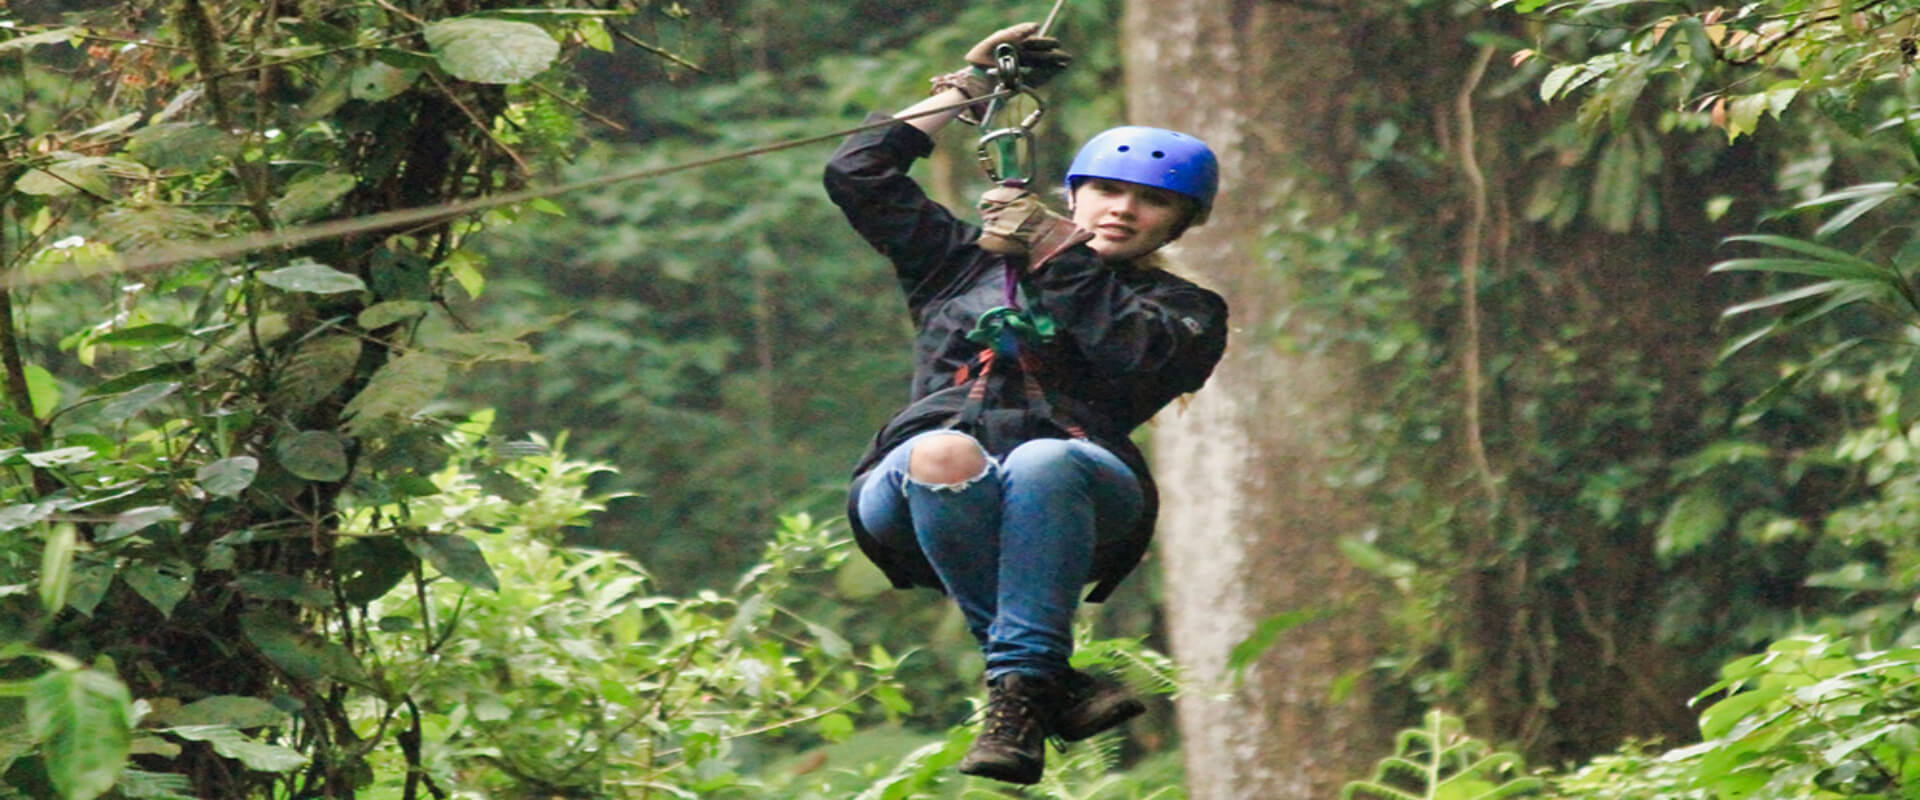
(1440, 760)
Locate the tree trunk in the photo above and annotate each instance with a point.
(1249, 528)
(1552, 609)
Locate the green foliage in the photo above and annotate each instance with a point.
(1811, 717)
(1439, 761)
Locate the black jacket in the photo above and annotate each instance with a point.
(1129, 341)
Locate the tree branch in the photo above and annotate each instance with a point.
(1470, 275)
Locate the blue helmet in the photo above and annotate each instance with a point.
(1152, 157)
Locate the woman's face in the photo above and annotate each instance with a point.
(1128, 220)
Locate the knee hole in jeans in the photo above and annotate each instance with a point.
(946, 459)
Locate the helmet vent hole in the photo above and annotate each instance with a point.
(1125, 147)
(1158, 154)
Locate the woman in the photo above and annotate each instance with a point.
(1009, 480)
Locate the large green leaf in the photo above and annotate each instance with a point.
(372, 566)
(228, 476)
(89, 586)
(84, 719)
(457, 557)
(162, 585)
(383, 314)
(316, 370)
(43, 390)
(230, 710)
(277, 586)
(313, 455)
(140, 398)
(29, 41)
(133, 521)
(84, 174)
(311, 197)
(312, 277)
(380, 81)
(400, 389)
(1691, 522)
(233, 744)
(179, 145)
(486, 50)
(300, 653)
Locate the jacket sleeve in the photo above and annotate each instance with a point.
(867, 178)
(1172, 330)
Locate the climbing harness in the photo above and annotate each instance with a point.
(1010, 332)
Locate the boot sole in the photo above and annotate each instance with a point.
(1106, 720)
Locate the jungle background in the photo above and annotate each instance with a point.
(1564, 447)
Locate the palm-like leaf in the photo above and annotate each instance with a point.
(1847, 279)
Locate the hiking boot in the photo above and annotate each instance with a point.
(1012, 743)
(1090, 704)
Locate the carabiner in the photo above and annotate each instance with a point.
(1006, 154)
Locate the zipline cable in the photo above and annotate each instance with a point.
(222, 249)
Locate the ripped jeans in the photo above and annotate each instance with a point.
(1013, 546)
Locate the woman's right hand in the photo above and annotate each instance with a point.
(1040, 56)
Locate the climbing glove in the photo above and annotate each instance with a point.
(1040, 59)
(1040, 56)
(1015, 223)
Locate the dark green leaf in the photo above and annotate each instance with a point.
(497, 482)
(157, 584)
(89, 585)
(314, 372)
(84, 174)
(457, 557)
(491, 50)
(312, 277)
(276, 586)
(129, 405)
(313, 455)
(283, 644)
(1760, 405)
(179, 145)
(233, 711)
(143, 335)
(400, 389)
(311, 197)
(371, 567)
(1690, 523)
(1265, 634)
(228, 476)
(135, 521)
(383, 314)
(233, 744)
(172, 371)
(405, 59)
(320, 33)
